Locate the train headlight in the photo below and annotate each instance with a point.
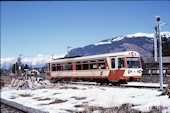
(129, 71)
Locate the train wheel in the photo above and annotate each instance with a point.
(122, 82)
(101, 83)
(52, 80)
(108, 83)
(115, 83)
(138, 80)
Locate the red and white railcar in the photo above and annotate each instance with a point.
(111, 67)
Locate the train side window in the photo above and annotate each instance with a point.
(113, 62)
(58, 67)
(53, 67)
(101, 64)
(121, 63)
(78, 65)
(93, 64)
(63, 67)
(70, 66)
(85, 65)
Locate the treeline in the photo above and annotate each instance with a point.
(165, 47)
(15, 67)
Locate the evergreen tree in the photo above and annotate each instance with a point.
(13, 68)
(165, 47)
(17, 68)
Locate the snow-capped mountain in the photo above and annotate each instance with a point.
(37, 61)
(141, 42)
(136, 35)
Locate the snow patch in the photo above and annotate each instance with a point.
(166, 33)
(140, 35)
(101, 43)
(117, 38)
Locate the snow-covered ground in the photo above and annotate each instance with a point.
(61, 98)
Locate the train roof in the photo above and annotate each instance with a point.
(125, 53)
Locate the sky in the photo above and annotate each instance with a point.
(48, 27)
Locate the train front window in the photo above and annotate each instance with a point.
(133, 62)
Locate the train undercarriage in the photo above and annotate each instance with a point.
(100, 81)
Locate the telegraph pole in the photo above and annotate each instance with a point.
(160, 53)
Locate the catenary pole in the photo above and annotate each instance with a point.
(160, 53)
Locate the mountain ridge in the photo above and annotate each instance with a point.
(140, 42)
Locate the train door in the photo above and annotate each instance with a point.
(113, 66)
(120, 68)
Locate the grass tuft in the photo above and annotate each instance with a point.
(55, 101)
(79, 98)
(25, 95)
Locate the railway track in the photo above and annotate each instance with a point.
(143, 85)
(129, 84)
(9, 109)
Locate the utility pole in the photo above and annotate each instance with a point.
(52, 57)
(160, 53)
(68, 47)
